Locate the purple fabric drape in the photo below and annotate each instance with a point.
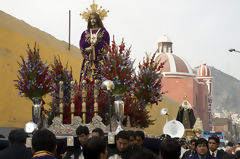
(103, 40)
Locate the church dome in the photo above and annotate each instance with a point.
(204, 71)
(174, 66)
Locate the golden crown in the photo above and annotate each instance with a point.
(94, 9)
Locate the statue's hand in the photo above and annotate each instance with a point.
(89, 49)
(94, 42)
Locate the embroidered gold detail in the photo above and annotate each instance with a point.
(88, 36)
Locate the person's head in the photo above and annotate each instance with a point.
(169, 148)
(139, 138)
(230, 144)
(228, 150)
(183, 143)
(213, 143)
(237, 154)
(122, 139)
(132, 138)
(95, 148)
(94, 21)
(82, 133)
(44, 140)
(98, 132)
(234, 147)
(143, 154)
(192, 144)
(17, 136)
(163, 137)
(202, 146)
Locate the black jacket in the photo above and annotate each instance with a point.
(73, 151)
(125, 154)
(188, 154)
(221, 154)
(16, 151)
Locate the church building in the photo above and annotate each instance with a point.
(181, 82)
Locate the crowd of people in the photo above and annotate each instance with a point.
(128, 145)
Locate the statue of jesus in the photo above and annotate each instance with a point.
(93, 44)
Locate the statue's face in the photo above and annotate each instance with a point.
(93, 20)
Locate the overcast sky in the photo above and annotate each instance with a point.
(201, 30)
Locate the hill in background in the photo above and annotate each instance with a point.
(226, 91)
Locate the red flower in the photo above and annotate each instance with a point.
(121, 47)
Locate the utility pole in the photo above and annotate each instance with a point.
(69, 31)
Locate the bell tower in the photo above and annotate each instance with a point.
(204, 75)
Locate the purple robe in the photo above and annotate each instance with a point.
(90, 58)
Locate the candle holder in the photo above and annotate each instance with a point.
(61, 92)
(72, 99)
(96, 94)
(84, 95)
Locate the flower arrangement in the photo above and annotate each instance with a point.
(139, 89)
(34, 79)
(147, 90)
(148, 81)
(139, 116)
(118, 68)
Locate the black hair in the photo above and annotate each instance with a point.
(82, 130)
(146, 154)
(2, 136)
(44, 140)
(123, 135)
(99, 21)
(193, 140)
(215, 138)
(164, 136)
(170, 148)
(201, 141)
(131, 133)
(17, 136)
(99, 131)
(93, 147)
(230, 144)
(141, 134)
(182, 141)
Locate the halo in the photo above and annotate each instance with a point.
(94, 9)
